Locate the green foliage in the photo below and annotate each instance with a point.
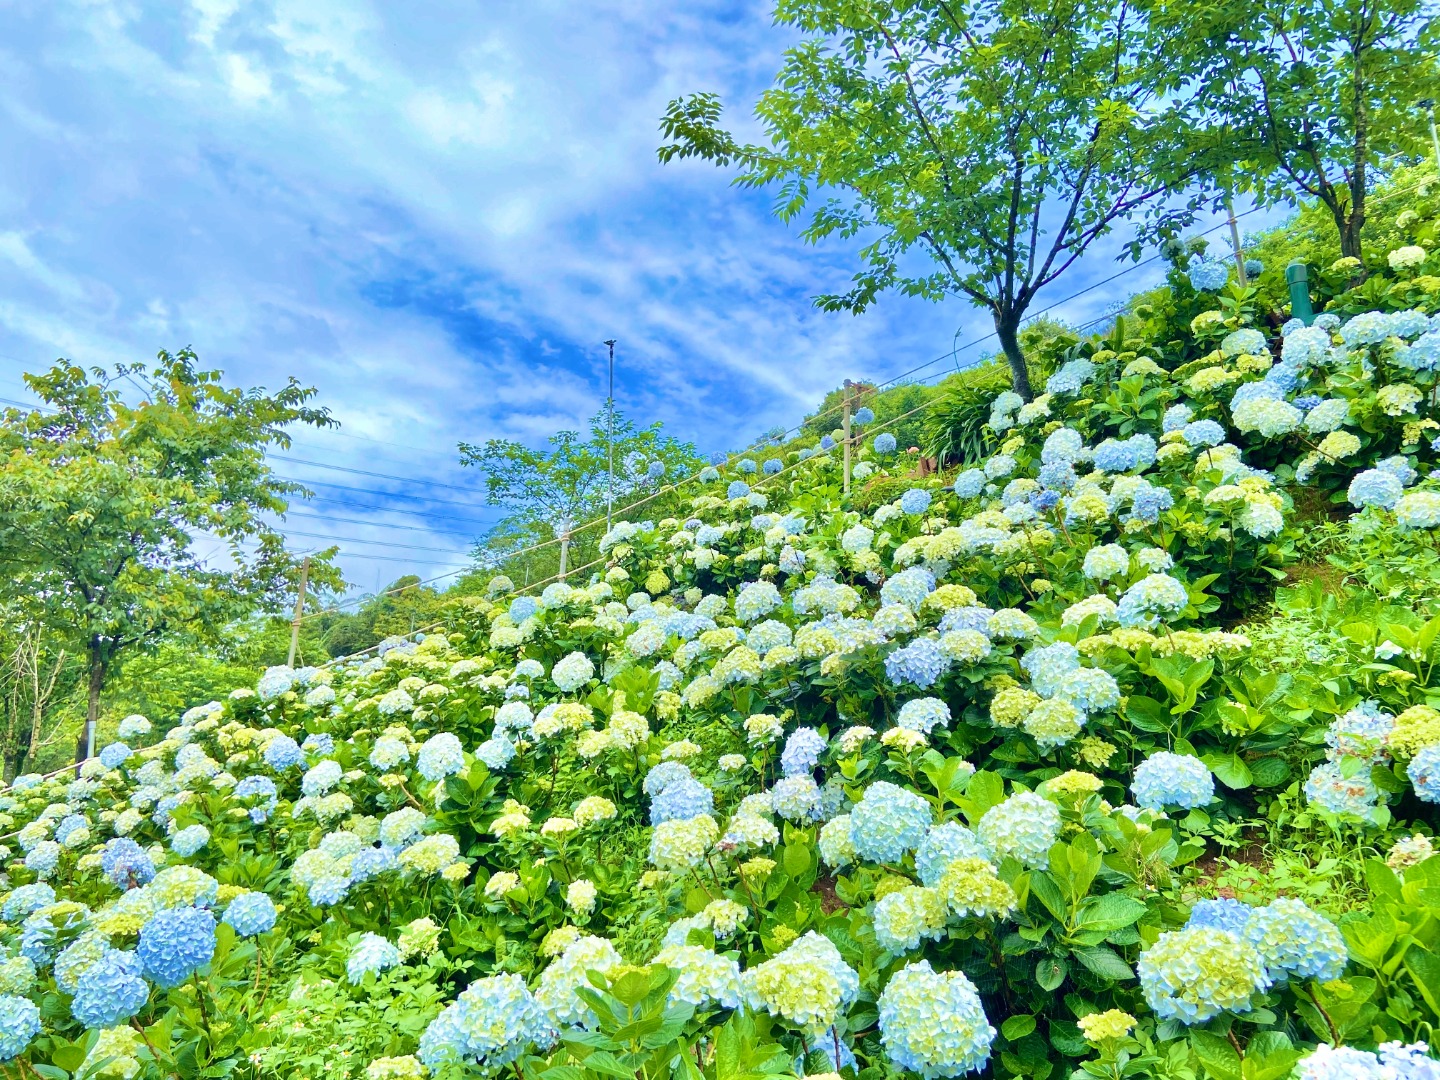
(100, 502)
(950, 131)
(955, 424)
(1302, 100)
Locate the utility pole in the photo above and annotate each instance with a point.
(846, 424)
(564, 548)
(610, 436)
(299, 612)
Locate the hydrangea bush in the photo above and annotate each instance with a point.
(930, 788)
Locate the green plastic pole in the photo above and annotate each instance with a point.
(1297, 277)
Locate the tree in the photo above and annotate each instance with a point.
(403, 606)
(1000, 137)
(1301, 99)
(34, 674)
(101, 501)
(552, 490)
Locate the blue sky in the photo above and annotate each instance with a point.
(432, 212)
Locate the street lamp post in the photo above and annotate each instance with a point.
(610, 436)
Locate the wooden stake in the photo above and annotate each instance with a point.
(846, 423)
(299, 612)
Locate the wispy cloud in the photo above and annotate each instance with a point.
(432, 213)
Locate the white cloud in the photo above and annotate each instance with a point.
(248, 83)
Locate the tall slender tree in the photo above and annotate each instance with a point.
(1001, 138)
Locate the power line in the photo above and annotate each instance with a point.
(366, 472)
(359, 521)
(383, 558)
(374, 543)
(373, 491)
(394, 510)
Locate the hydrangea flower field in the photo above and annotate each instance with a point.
(786, 786)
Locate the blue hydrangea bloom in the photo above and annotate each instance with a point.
(328, 891)
(738, 489)
(126, 863)
(863, 415)
(972, 617)
(1071, 377)
(942, 845)
(1423, 355)
(175, 943)
(909, 587)
(440, 756)
(1375, 487)
(663, 775)
(682, 800)
(189, 840)
(1048, 665)
(915, 501)
(1114, 456)
(1045, 501)
(1221, 914)
(110, 991)
(933, 1023)
(493, 1021)
(19, 1023)
(1166, 779)
(1024, 827)
(372, 954)
(257, 787)
(656, 469)
(884, 443)
(371, 861)
(920, 664)
(26, 900)
(115, 755)
(1296, 942)
(1149, 502)
(1424, 773)
(922, 714)
(1208, 275)
(802, 751)
(1176, 417)
(827, 443)
(283, 753)
(496, 753)
(888, 822)
(1057, 476)
(1064, 445)
(1399, 467)
(772, 466)
(1203, 433)
(1150, 599)
(251, 914)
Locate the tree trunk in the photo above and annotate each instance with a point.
(1350, 230)
(92, 704)
(12, 766)
(1007, 330)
